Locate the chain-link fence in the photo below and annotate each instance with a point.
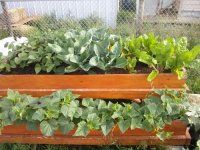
(125, 17)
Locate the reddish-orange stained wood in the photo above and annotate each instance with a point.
(123, 86)
(177, 127)
(93, 140)
(117, 86)
(131, 137)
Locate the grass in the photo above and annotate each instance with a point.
(193, 80)
(51, 23)
(192, 32)
(125, 26)
(66, 147)
(3, 34)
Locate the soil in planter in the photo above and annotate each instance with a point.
(139, 69)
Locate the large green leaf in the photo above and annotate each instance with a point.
(70, 110)
(152, 75)
(73, 107)
(102, 105)
(60, 70)
(64, 58)
(135, 123)
(66, 126)
(12, 95)
(146, 58)
(94, 61)
(37, 68)
(38, 115)
(32, 125)
(65, 110)
(152, 108)
(116, 49)
(124, 125)
(74, 58)
(97, 51)
(56, 48)
(120, 62)
(88, 102)
(46, 128)
(70, 34)
(101, 65)
(71, 68)
(195, 51)
(106, 127)
(82, 129)
(50, 67)
(86, 67)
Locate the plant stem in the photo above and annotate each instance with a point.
(34, 147)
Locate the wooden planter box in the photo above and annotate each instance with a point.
(113, 86)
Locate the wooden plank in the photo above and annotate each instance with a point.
(117, 86)
(19, 134)
(125, 86)
(93, 140)
(177, 127)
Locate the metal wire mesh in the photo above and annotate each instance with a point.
(165, 18)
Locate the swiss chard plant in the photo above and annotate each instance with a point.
(160, 55)
(61, 52)
(63, 111)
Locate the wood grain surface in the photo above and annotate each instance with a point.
(20, 134)
(115, 86)
(110, 86)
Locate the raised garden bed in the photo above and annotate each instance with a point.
(123, 86)
(19, 134)
(107, 57)
(111, 86)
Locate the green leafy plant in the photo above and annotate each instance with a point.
(48, 23)
(34, 53)
(7, 146)
(3, 34)
(67, 52)
(94, 48)
(63, 111)
(193, 73)
(160, 55)
(91, 22)
(89, 51)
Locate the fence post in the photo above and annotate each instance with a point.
(6, 18)
(139, 18)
